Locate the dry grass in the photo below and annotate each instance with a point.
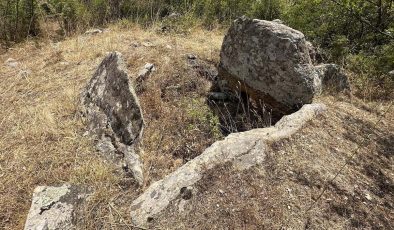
(42, 141)
(41, 133)
(278, 193)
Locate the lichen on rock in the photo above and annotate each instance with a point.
(114, 115)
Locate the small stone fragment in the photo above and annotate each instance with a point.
(93, 32)
(12, 63)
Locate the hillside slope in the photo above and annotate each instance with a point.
(283, 192)
(42, 142)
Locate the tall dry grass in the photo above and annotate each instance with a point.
(42, 139)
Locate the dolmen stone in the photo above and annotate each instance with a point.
(271, 62)
(243, 150)
(114, 115)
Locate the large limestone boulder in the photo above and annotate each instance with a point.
(54, 207)
(270, 61)
(244, 150)
(114, 115)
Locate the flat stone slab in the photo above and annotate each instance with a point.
(54, 207)
(243, 149)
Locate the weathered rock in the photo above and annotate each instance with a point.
(311, 51)
(148, 44)
(114, 114)
(145, 72)
(270, 61)
(332, 78)
(391, 73)
(24, 73)
(12, 62)
(243, 149)
(54, 207)
(93, 31)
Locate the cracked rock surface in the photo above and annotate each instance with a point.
(114, 115)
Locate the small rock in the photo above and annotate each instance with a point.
(169, 47)
(218, 96)
(368, 197)
(148, 44)
(93, 31)
(174, 15)
(174, 87)
(12, 63)
(24, 73)
(391, 73)
(145, 72)
(191, 56)
(64, 63)
(221, 192)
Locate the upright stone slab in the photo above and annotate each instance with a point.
(114, 114)
(270, 61)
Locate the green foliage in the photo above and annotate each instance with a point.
(355, 34)
(17, 19)
(202, 118)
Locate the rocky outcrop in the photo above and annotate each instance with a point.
(54, 207)
(243, 149)
(114, 115)
(270, 61)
